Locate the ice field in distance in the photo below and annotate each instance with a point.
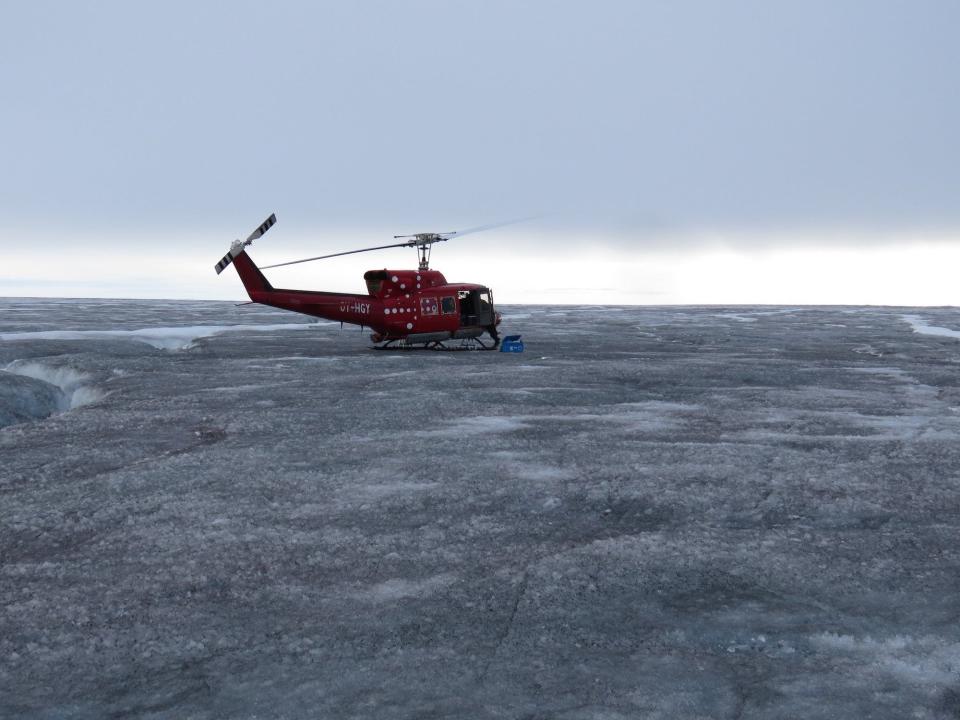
(215, 511)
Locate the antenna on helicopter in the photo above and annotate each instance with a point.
(422, 241)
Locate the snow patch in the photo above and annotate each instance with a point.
(539, 471)
(891, 371)
(400, 588)
(243, 388)
(305, 358)
(650, 416)
(919, 325)
(922, 661)
(867, 350)
(735, 316)
(481, 424)
(162, 338)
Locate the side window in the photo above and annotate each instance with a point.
(428, 306)
(448, 305)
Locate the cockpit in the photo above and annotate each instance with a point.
(374, 280)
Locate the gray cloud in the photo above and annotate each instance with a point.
(638, 119)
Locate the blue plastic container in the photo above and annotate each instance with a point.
(511, 343)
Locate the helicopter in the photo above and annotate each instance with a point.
(405, 309)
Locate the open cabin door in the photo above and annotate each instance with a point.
(476, 308)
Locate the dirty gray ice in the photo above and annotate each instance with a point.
(213, 511)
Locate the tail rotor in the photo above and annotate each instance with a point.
(238, 246)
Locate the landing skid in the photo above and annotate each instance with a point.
(474, 344)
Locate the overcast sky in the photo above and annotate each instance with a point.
(680, 151)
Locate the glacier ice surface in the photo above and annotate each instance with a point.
(744, 512)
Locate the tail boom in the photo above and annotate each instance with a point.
(363, 310)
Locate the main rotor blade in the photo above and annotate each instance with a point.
(324, 257)
(481, 228)
(415, 241)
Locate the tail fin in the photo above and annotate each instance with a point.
(250, 275)
(238, 246)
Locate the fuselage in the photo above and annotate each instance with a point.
(418, 305)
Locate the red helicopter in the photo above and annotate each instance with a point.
(406, 309)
